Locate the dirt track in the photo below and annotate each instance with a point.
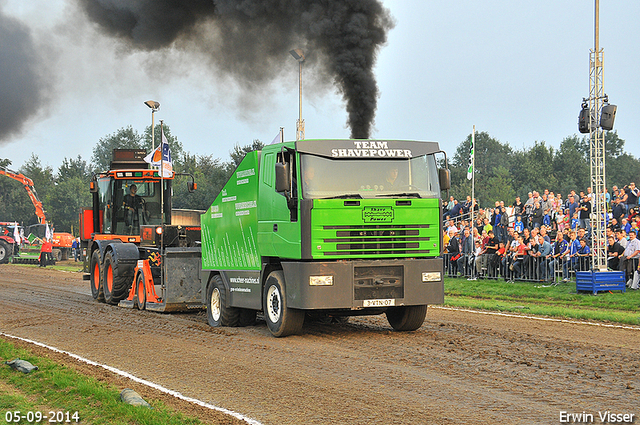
(458, 368)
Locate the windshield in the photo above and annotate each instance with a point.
(360, 178)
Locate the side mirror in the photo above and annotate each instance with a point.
(93, 186)
(445, 178)
(283, 182)
(192, 186)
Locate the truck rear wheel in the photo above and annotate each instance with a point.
(406, 318)
(5, 252)
(218, 313)
(96, 284)
(114, 285)
(281, 320)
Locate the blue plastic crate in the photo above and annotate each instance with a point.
(595, 282)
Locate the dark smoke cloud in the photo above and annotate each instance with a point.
(23, 81)
(250, 39)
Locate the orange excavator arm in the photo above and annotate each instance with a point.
(31, 191)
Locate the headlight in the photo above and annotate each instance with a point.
(431, 276)
(321, 280)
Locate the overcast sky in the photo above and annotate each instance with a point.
(517, 70)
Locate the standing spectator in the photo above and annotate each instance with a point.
(585, 212)
(466, 251)
(632, 196)
(614, 252)
(631, 252)
(584, 256)
(75, 246)
(572, 205)
(518, 207)
(618, 209)
(559, 249)
(545, 251)
(453, 248)
(46, 256)
(622, 238)
(455, 211)
(536, 216)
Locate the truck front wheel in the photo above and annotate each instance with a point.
(218, 313)
(281, 320)
(96, 285)
(406, 318)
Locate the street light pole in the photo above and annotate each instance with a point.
(298, 55)
(154, 108)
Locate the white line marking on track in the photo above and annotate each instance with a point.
(547, 319)
(141, 381)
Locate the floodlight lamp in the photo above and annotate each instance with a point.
(152, 104)
(298, 54)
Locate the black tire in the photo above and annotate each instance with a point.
(5, 252)
(57, 254)
(114, 285)
(95, 276)
(281, 320)
(406, 318)
(218, 312)
(141, 291)
(64, 254)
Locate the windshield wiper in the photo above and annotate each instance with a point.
(346, 196)
(409, 194)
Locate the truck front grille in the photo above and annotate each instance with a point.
(377, 239)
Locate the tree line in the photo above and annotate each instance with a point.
(501, 173)
(65, 191)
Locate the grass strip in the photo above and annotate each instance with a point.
(535, 298)
(58, 388)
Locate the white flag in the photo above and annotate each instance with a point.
(47, 233)
(16, 235)
(470, 168)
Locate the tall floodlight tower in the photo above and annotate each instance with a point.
(597, 151)
(596, 116)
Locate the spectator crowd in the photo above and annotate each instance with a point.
(544, 238)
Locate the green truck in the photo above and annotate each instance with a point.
(326, 227)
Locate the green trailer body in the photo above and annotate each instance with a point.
(322, 222)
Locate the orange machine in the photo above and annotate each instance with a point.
(62, 241)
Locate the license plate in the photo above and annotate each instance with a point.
(379, 303)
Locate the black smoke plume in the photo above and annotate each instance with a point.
(250, 39)
(23, 81)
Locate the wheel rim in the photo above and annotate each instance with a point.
(214, 305)
(3, 252)
(96, 276)
(274, 304)
(142, 295)
(109, 278)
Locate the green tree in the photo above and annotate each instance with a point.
(124, 138)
